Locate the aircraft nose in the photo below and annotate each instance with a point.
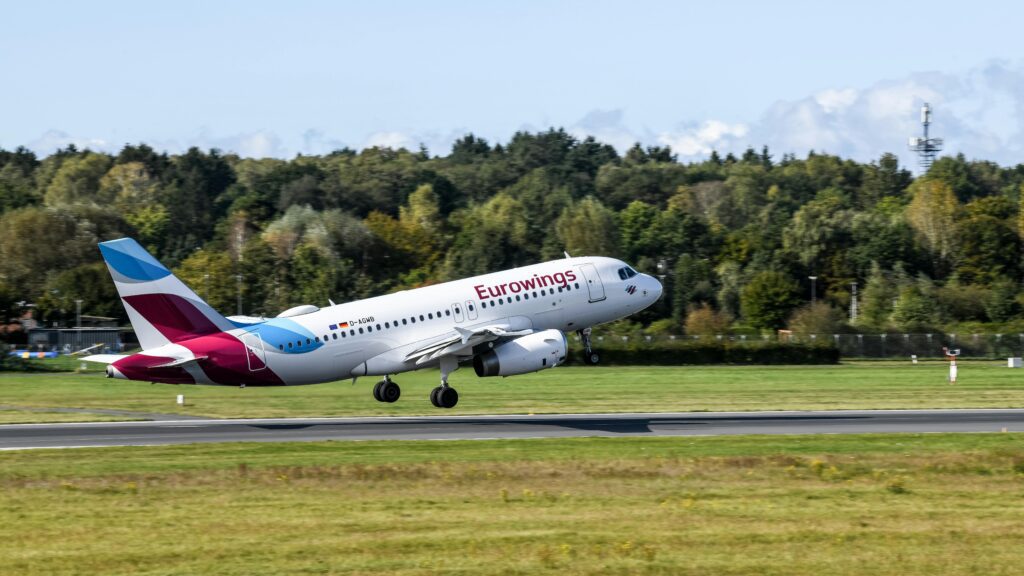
(653, 288)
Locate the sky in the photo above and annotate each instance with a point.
(280, 78)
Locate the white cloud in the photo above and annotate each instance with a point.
(833, 100)
(391, 140)
(52, 140)
(700, 140)
(608, 126)
(979, 112)
(316, 142)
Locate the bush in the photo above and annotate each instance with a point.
(16, 364)
(817, 318)
(707, 320)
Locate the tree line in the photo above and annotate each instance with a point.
(735, 238)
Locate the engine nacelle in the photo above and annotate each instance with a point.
(523, 355)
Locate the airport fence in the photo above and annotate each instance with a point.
(889, 345)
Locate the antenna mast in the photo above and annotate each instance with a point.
(926, 147)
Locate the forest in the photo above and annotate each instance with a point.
(735, 239)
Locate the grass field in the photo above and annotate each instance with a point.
(872, 504)
(565, 389)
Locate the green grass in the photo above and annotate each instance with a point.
(8, 416)
(883, 385)
(879, 504)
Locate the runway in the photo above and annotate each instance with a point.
(25, 436)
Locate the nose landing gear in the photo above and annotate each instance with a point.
(589, 355)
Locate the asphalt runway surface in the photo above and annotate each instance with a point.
(24, 436)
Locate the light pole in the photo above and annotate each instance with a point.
(814, 293)
(78, 324)
(853, 302)
(206, 288)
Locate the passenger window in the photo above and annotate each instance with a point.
(526, 295)
(387, 324)
(430, 315)
(342, 334)
(352, 332)
(447, 312)
(534, 293)
(308, 342)
(577, 285)
(360, 330)
(471, 308)
(378, 327)
(369, 329)
(404, 322)
(281, 346)
(421, 317)
(289, 345)
(335, 335)
(517, 298)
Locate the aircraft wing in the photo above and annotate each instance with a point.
(104, 358)
(461, 342)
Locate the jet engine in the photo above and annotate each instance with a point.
(525, 354)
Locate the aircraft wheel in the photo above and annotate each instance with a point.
(433, 397)
(376, 391)
(591, 358)
(447, 398)
(389, 391)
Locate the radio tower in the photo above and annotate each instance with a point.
(926, 147)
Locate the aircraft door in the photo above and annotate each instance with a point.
(254, 352)
(457, 312)
(470, 310)
(594, 285)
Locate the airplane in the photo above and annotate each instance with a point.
(505, 323)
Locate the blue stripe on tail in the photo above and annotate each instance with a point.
(130, 259)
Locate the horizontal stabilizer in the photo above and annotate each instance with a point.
(105, 358)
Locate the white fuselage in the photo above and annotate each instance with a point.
(374, 336)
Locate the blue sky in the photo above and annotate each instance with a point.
(275, 79)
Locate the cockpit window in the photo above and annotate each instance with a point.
(627, 273)
(622, 274)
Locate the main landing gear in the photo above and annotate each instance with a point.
(444, 396)
(386, 391)
(589, 356)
